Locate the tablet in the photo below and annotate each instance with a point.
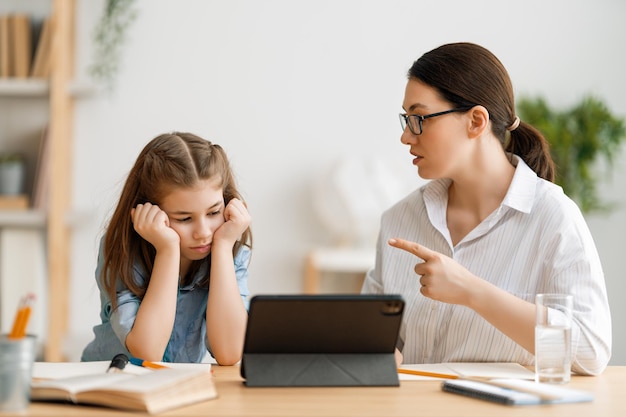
(291, 334)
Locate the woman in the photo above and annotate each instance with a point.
(470, 250)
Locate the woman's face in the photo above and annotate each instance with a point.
(437, 150)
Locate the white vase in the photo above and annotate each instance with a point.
(11, 177)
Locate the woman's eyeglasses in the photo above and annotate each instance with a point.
(414, 121)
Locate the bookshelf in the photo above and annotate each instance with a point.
(34, 104)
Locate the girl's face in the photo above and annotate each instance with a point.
(438, 148)
(195, 213)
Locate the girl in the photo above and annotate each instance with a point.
(172, 267)
(490, 231)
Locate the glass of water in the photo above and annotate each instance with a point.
(553, 338)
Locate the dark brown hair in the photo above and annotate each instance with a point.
(467, 75)
(170, 160)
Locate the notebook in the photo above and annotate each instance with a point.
(516, 392)
(322, 340)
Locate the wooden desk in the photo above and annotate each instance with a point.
(412, 398)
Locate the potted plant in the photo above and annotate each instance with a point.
(109, 35)
(581, 138)
(12, 172)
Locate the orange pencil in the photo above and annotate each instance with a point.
(22, 317)
(146, 364)
(425, 373)
(17, 322)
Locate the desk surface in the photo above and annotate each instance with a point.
(413, 398)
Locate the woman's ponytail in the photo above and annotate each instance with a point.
(530, 145)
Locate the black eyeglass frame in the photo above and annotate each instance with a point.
(405, 118)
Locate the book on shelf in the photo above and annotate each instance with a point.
(13, 202)
(41, 183)
(5, 46)
(41, 60)
(21, 45)
(135, 388)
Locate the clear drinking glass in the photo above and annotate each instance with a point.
(553, 338)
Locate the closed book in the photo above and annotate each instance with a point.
(13, 202)
(41, 183)
(41, 61)
(5, 46)
(21, 45)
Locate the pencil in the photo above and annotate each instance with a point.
(146, 364)
(425, 373)
(22, 317)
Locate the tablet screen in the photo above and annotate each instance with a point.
(323, 323)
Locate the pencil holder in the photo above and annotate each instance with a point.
(16, 365)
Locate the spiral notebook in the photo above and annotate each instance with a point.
(516, 391)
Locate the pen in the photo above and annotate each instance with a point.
(425, 373)
(146, 364)
(118, 363)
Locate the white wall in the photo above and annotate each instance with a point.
(288, 86)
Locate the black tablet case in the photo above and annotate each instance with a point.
(322, 340)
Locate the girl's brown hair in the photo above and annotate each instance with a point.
(467, 75)
(170, 160)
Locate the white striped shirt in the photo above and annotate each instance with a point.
(537, 241)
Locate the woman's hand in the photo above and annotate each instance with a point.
(153, 225)
(398, 356)
(442, 278)
(445, 280)
(236, 220)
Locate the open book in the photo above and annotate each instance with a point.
(136, 388)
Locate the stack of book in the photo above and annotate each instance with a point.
(20, 57)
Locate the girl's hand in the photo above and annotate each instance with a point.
(153, 225)
(236, 221)
(441, 277)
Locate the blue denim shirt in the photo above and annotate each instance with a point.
(188, 342)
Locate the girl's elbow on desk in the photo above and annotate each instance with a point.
(145, 351)
(227, 359)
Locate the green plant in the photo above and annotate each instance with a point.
(109, 35)
(11, 157)
(581, 138)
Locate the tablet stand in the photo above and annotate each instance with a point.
(319, 369)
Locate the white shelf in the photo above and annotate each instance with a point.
(28, 87)
(22, 218)
(335, 259)
(343, 259)
(33, 87)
